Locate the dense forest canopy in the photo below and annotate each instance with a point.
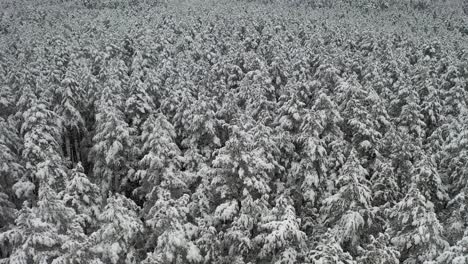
(233, 131)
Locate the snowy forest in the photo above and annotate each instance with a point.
(233, 132)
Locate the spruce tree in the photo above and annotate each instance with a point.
(415, 229)
(111, 145)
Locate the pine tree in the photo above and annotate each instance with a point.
(365, 117)
(162, 185)
(314, 161)
(30, 235)
(309, 168)
(431, 107)
(345, 209)
(321, 150)
(84, 197)
(7, 105)
(139, 104)
(415, 229)
(10, 170)
(111, 145)
(455, 153)
(456, 220)
(119, 226)
(170, 231)
(378, 250)
(240, 181)
(328, 251)
(25, 99)
(281, 239)
(429, 182)
(384, 188)
(411, 118)
(73, 124)
(404, 152)
(41, 151)
(201, 132)
(454, 94)
(45, 233)
(162, 158)
(456, 254)
(40, 230)
(329, 120)
(256, 91)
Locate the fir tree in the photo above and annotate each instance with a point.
(281, 239)
(349, 203)
(119, 226)
(44, 233)
(378, 250)
(83, 196)
(111, 146)
(72, 121)
(415, 229)
(10, 170)
(170, 231)
(162, 157)
(41, 151)
(241, 184)
(139, 104)
(429, 182)
(328, 251)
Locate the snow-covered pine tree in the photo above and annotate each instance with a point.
(171, 233)
(454, 154)
(41, 151)
(26, 97)
(411, 118)
(7, 101)
(10, 170)
(429, 182)
(453, 167)
(328, 250)
(364, 116)
(73, 124)
(256, 92)
(454, 93)
(431, 107)
(30, 234)
(319, 129)
(44, 212)
(201, 132)
(280, 237)
(329, 121)
(47, 232)
(384, 188)
(456, 254)
(119, 225)
(403, 152)
(162, 187)
(344, 211)
(242, 171)
(307, 176)
(291, 106)
(161, 159)
(139, 104)
(84, 197)
(379, 250)
(456, 218)
(112, 141)
(415, 229)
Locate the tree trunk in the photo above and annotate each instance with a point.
(67, 144)
(77, 146)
